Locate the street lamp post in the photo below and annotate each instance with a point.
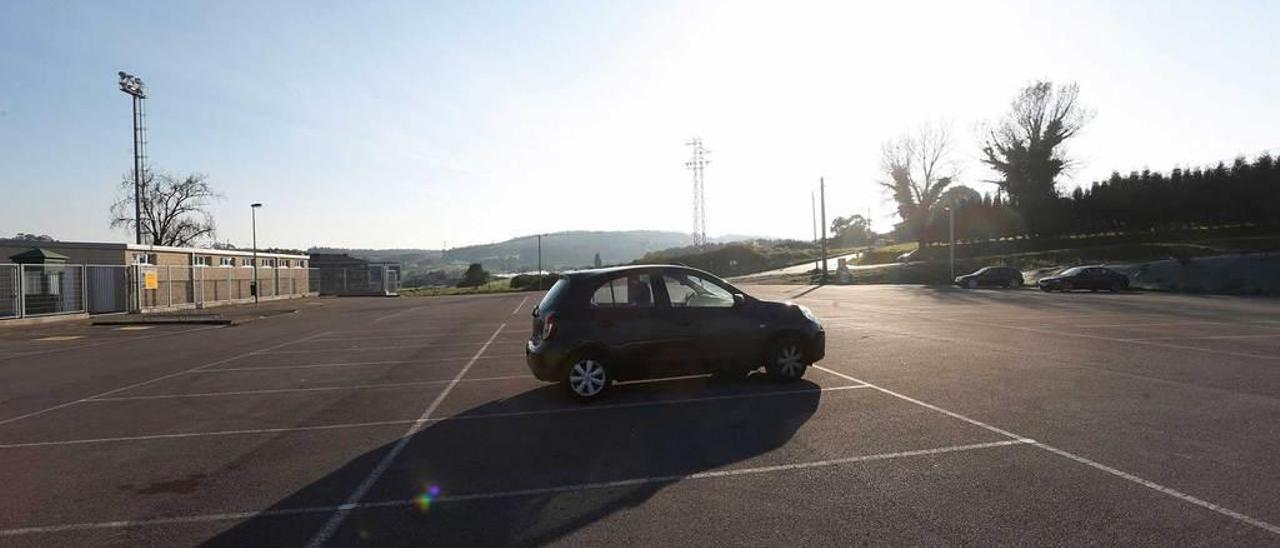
(253, 211)
(539, 262)
(133, 86)
(951, 222)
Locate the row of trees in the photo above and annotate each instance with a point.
(1025, 149)
(1246, 192)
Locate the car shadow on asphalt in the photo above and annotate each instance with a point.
(535, 478)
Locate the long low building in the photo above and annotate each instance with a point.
(96, 277)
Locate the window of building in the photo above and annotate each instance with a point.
(632, 290)
(144, 258)
(200, 260)
(226, 261)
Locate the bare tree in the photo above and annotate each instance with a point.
(174, 211)
(1025, 148)
(919, 168)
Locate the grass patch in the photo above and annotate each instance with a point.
(496, 286)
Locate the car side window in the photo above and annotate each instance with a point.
(691, 291)
(629, 291)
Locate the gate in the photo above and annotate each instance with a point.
(108, 288)
(10, 291)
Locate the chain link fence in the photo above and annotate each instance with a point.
(374, 279)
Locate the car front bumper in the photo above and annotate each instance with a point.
(816, 346)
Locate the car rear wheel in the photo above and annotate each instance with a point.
(588, 378)
(1014, 284)
(785, 360)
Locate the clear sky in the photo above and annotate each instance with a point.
(409, 123)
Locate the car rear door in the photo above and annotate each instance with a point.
(624, 320)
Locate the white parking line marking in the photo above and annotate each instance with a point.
(1205, 337)
(519, 306)
(1269, 527)
(339, 516)
(423, 346)
(419, 421)
(146, 382)
(135, 328)
(59, 338)
(346, 508)
(406, 384)
(355, 364)
(1079, 335)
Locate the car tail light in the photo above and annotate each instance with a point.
(549, 326)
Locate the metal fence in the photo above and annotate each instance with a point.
(38, 290)
(10, 291)
(176, 287)
(373, 279)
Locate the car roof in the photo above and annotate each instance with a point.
(594, 272)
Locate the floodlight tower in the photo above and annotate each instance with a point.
(133, 86)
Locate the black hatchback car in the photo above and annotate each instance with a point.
(991, 276)
(597, 326)
(1085, 277)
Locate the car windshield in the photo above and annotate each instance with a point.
(1071, 271)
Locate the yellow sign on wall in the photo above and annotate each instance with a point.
(150, 280)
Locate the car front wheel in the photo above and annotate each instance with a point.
(786, 361)
(971, 284)
(588, 378)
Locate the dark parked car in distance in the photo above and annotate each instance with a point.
(597, 326)
(1085, 277)
(991, 276)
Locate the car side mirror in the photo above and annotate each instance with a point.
(739, 299)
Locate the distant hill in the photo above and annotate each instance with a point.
(560, 250)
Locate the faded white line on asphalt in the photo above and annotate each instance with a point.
(406, 384)
(1206, 337)
(1269, 527)
(395, 314)
(570, 488)
(335, 521)
(144, 383)
(355, 364)
(481, 416)
(370, 348)
(519, 306)
(109, 342)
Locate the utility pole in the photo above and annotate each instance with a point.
(813, 210)
(253, 211)
(133, 86)
(822, 191)
(695, 164)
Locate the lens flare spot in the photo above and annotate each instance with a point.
(424, 500)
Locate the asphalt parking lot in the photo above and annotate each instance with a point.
(939, 416)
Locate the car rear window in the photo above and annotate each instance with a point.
(553, 296)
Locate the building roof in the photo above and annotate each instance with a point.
(38, 255)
